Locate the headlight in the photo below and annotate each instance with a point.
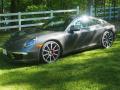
(29, 43)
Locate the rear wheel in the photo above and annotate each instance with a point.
(107, 39)
(50, 51)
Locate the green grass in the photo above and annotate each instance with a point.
(97, 69)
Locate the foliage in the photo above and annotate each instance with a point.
(36, 8)
(31, 5)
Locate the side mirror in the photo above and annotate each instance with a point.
(73, 28)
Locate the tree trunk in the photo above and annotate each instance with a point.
(18, 5)
(13, 6)
(37, 2)
(2, 7)
(49, 4)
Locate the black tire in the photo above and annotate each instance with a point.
(107, 39)
(50, 52)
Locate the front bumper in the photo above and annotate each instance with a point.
(20, 56)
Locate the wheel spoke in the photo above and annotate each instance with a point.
(45, 50)
(46, 54)
(48, 47)
(56, 50)
(54, 47)
(50, 58)
(47, 57)
(109, 44)
(53, 57)
(51, 46)
(55, 54)
(105, 44)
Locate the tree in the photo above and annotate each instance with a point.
(2, 7)
(13, 6)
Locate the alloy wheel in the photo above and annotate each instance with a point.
(50, 51)
(107, 39)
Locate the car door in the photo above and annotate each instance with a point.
(86, 34)
(79, 38)
(71, 41)
(72, 38)
(96, 28)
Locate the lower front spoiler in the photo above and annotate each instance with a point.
(21, 57)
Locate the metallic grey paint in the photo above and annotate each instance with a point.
(69, 41)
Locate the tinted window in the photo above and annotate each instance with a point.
(78, 25)
(81, 24)
(57, 24)
(95, 22)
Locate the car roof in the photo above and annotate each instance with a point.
(72, 17)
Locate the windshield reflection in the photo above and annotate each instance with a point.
(59, 24)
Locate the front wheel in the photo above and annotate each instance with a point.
(50, 52)
(107, 39)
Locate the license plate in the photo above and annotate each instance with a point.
(4, 52)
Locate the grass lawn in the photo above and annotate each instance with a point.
(97, 69)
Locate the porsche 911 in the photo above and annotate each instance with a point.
(59, 36)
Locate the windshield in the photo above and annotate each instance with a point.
(59, 24)
(55, 24)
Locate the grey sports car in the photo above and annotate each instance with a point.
(57, 37)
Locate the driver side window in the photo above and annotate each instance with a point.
(77, 25)
(81, 25)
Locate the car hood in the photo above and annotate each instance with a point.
(18, 39)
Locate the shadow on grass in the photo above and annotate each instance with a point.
(6, 65)
(102, 72)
